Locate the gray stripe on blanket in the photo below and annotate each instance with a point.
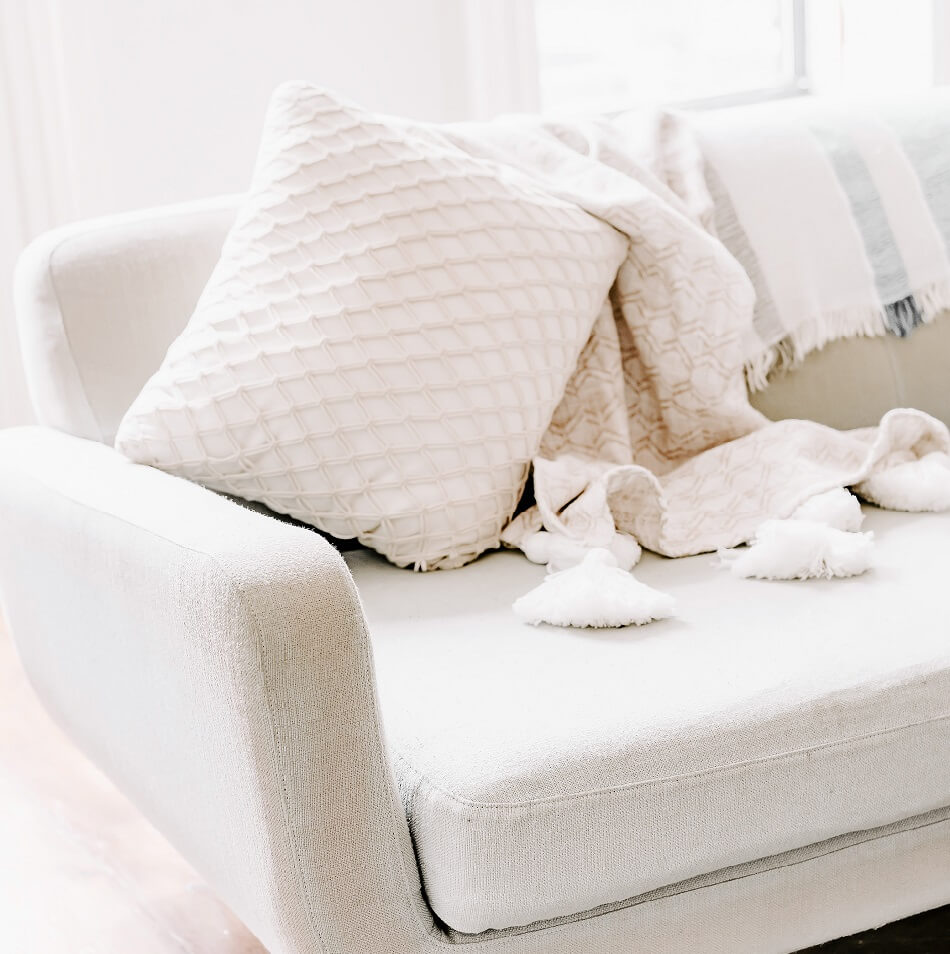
(925, 139)
(901, 313)
(768, 326)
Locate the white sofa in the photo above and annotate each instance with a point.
(397, 765)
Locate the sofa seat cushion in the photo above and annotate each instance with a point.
(545, 772)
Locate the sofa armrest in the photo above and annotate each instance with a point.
(98, 303)
(215, 663)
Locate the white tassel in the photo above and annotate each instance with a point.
(801, 550)
(560, 552)
(920, 484)
(595, 593)
(837, 508)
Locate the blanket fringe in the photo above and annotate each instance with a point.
(818, 330)
(933, 299)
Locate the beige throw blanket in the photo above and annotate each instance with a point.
(655, 436)
(839, 212)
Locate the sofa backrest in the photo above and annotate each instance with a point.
(99, 302)
(853, 382)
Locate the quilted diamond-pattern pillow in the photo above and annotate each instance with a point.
(385, 338)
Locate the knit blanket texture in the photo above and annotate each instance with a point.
(655, 436)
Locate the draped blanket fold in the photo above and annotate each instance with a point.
(655, 436)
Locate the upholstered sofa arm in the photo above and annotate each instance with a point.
(99, 301)
(214, 661)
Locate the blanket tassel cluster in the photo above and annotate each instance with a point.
(822, 539)
(655, 443)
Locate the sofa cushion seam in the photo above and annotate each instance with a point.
(590, 914)
(670, 781)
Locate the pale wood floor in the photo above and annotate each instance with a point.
(81, 872)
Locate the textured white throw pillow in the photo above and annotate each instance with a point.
(385, 338)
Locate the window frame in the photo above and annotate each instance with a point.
(799, 83)
(795, 31)
(502, 71)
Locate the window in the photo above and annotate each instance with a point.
(611, 55)
(607, 55)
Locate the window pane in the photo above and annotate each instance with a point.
(613, 54)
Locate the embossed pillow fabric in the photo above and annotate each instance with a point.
(385, 338)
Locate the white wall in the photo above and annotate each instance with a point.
(108, 105)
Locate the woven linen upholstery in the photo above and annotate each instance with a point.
(98, 303)
(215, 663)
(385, 338)
(546, 771)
